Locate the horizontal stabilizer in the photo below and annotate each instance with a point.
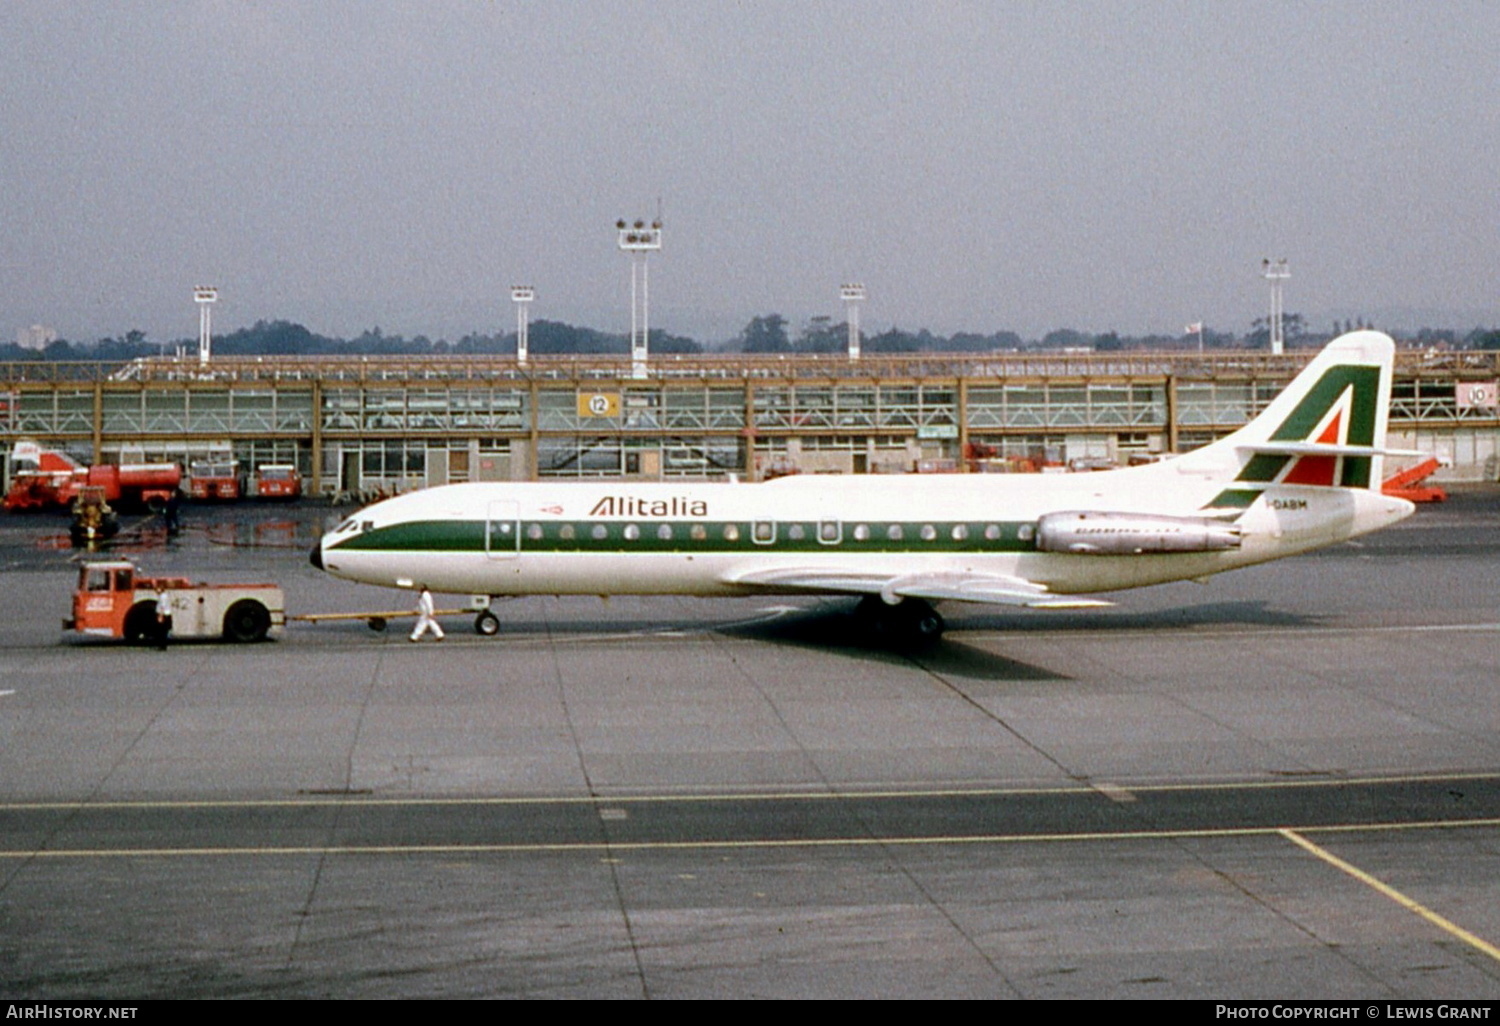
(1324, 449)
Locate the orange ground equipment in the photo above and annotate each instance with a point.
(94, 521)
(215, 480)
(1408, 483)
(46, 478)
(112, 600)
(277, 481)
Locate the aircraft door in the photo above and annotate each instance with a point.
(502, 529)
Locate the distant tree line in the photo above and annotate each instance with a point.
(284, 338)
(764, 334)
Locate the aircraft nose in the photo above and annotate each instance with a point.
(315, 557)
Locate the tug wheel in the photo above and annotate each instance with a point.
(246, 621)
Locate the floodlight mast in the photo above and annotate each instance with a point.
(521, 295)
(1276, 273)
(639, 241)
(852, 295)
(205, 296)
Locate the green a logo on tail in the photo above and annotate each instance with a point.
(1340, 409)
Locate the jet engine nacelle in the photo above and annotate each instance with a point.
(1131, 534)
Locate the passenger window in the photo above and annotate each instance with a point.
(731, 532)
(122, 580)
(632, 532)
(599, 532)
(765, 532)
(566, 532)
(795, 532)
(1025, 532)
(894, 532)
(861, 532)
(98, 580)
(534, 532)
(698, 532)
(992, 532)
(960, 532)
(828, 532)
(929, 533)
(664, 532)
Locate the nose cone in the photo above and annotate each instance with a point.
(315, 557)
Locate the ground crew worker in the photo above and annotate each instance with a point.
(425, 620)
(163, 625)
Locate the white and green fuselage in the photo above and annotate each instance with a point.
(1303, 474)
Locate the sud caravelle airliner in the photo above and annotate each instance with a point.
(1303, 474)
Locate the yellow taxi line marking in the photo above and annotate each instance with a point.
(1409, 904)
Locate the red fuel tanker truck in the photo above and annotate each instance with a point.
(48, 479)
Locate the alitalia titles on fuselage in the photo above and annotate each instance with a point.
(632, 506)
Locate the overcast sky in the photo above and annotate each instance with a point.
(978, 166)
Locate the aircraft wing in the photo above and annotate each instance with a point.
(989, 588)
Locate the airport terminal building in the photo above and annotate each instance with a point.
(372, 425)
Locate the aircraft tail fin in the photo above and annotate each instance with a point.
(1327, 428)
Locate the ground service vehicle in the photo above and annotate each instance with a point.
(94, 520)
(113, 600)
(50, 478)
(215, 479)
(277, 481)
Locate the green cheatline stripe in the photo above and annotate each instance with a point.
(591, 536)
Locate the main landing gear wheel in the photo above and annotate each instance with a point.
(486, 624)
(911, 623)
